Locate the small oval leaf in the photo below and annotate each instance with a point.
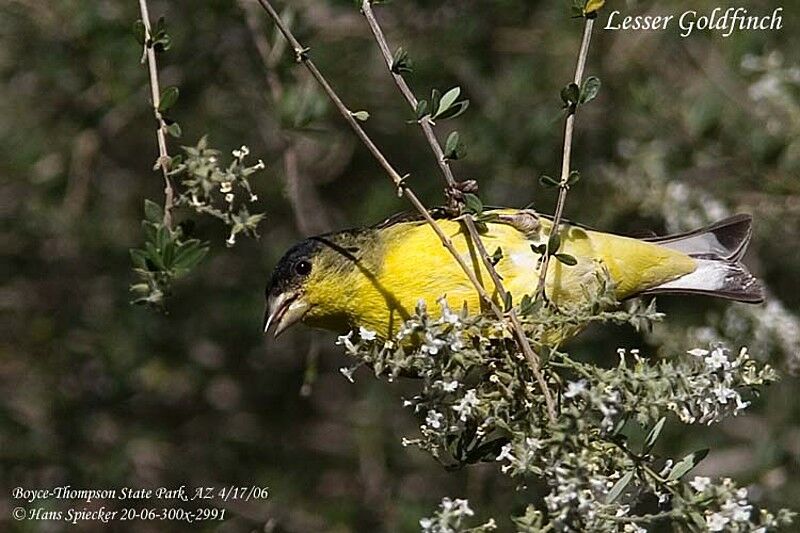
(619, 486)
(686, 464)
(448, 99)
(652, 437)
(567, 259)
(168, 98)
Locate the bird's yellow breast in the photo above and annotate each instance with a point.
(415, 266)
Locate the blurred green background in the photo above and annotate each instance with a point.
(97, 393)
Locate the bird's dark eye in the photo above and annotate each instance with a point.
(303, 268)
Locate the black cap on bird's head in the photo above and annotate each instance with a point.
(285, 305)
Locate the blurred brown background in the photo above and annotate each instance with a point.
(96, 393)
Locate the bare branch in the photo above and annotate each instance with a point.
(569, 126)
(427, 127)
(302, 56)
(155, 92)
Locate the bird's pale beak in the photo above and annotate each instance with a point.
(284, 310)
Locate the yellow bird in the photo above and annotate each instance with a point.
(374, 277)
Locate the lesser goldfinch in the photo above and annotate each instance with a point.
(374, 277)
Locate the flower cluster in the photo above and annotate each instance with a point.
(478, 401)
(450, 517)
(222, 192)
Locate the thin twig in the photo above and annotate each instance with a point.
(569, 126)
(425, 122)
(302, 56)
(304, 201)
(427, 127)
(155, 92)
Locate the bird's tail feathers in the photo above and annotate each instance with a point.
(726, 239)
(717, 249)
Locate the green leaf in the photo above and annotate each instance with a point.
(686, 464)
(573, 178)
(163, 43)
(448, 99)
(159, 39)
(454, 111)
(436, 96)
(539, 248)
(496, 256)
(566, 259)
(509, 302)
(174, 130)
(150, 230)
(400, 62)
(140, 32)
(527, 305)
(153, 212)
(619, 487)
(620, 424)
(592, 6)
(473, 204)
(138, 258)
(652, 436)
(570, 94)
(189, 255)
(162, 238)
(154, 255)
(547, 181)
(422, 109)
(168, 98)
(590, 89)
(360, 115)
(168, 254)
(454, 148)
(553, 243)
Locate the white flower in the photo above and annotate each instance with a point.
(260, 165)
(574, 388)
(466, 404)
(716, 522)
(622, 510)
(434, 419)
(462, 507)
(698, 352)
(700, 483)
(253, 197)
(505, 454)
(634, 528)
(448, 316)
(366, 334)
(348, 373)
(738, 511)
(229, 197)
(450, 386)
(225, 186)
(426, 524)
(241, 152)
(345, 340)
(717, 360)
